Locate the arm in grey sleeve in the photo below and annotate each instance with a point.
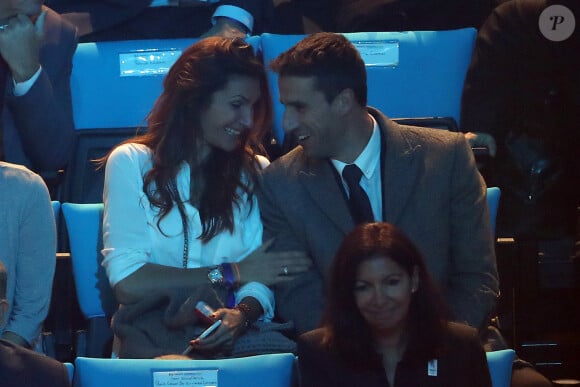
(35, 265)
(300, 300)
(473, 282)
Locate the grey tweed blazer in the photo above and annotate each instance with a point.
(431, 190)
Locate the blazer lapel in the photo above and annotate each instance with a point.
(400, 168)
(319, 180)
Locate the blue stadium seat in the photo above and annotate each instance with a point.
(114, 86)
(410, 74)
(274, 370)
(94, 294)
(493, 196)
(500, 367)
(70, 368)
(56, 210)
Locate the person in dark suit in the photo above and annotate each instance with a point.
(385, 321)
(99, 20)
(424, 181)
(36, 49)
(20, 366)
(521, 99)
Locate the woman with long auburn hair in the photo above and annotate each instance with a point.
(180, 208)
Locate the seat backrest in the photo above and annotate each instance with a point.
(70, 368)
(114, 85)
(493, 196)
(409, 74)
(83, 222)
(500, 367)
(274, 370)
(56, 210)
(84, 179)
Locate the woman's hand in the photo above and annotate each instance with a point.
(222, 339)
(271, 268)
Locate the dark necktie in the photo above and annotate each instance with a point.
(3, 79)
(360, 206)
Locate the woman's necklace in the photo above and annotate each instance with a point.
(181, 209)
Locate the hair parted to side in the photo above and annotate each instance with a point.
(174, 134)
(349, 333)
(331, 59)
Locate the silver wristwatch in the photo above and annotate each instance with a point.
(216, 276)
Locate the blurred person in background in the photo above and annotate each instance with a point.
(36, 50)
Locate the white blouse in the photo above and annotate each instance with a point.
(131, 237)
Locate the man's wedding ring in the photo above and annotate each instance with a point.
(284, 270)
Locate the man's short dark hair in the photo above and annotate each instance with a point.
(331, 59)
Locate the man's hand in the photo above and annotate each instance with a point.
(20, 45)
(273, 267)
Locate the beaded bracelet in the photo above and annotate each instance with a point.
(245, 310)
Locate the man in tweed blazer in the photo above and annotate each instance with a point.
(424, 181)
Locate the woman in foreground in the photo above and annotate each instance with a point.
(385, 323)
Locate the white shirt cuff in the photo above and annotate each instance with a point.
(21, 88)
(235, 13)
